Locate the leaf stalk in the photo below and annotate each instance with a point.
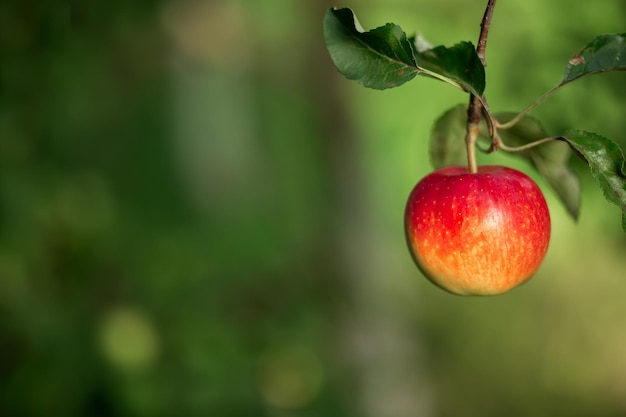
(504, 147)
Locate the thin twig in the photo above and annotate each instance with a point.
(474, 110)
(525, 147)
(484, 31)
(530, 108)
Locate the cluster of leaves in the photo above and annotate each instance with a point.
(386, 57)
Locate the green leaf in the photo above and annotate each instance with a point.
(606, 161)
(381, 58)
(459, 63)
(550, 159)
(447, 139)
(384, 57)
(603, 53)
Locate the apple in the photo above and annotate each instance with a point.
(477, 233)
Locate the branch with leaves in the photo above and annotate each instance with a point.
(386, 57)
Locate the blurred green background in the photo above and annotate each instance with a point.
(200, 217)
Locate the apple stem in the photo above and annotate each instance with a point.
(471, 137)
(475, 108)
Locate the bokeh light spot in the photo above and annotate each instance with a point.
(290, 377)
(128, 339)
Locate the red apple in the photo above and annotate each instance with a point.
(477, 234)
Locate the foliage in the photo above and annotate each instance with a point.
(384, 57)
(606, 161)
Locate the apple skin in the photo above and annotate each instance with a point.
(477, 233)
